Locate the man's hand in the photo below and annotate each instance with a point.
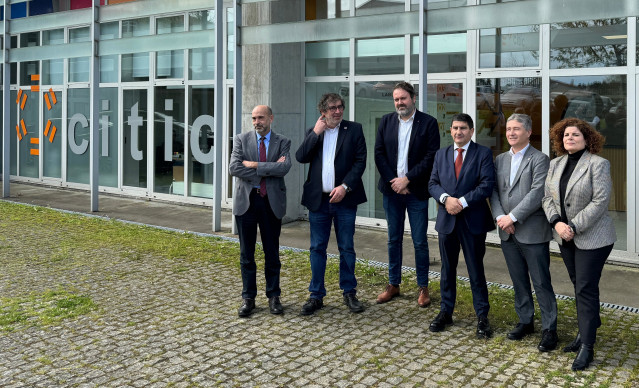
(337, 194)
(320, 126)
(281, 159)
(506, 224)
(453, 205)
(249, 164)
(564, 231)
(399, 184)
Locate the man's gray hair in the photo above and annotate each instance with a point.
(523, 119)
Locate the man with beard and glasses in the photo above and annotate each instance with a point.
(405, 148)
(336, 152)
(260, 159)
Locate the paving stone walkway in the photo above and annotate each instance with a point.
(172, 323)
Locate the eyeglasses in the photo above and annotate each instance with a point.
(334, 108)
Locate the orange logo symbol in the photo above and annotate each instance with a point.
(21, 128)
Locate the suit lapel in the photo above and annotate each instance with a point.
(561, 166)
(413, 133)
(253, 153)
(580, 169)
(273, 146)
(392, 139)
(343, 127)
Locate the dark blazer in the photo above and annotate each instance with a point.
(523, 197)
(475, 184)
(424, 142)
(350, 163)
(245, 148)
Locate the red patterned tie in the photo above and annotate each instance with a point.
(262, 159)
(458, 161)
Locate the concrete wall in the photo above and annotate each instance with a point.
(272, 75)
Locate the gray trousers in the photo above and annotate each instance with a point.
(525, 262)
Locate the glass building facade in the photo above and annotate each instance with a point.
(158, 84)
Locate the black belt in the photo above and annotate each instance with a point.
(256, 190)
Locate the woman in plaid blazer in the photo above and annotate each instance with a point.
(577, 193)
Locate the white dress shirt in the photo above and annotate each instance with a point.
(403, 139)
(515, 162)
(328, 159)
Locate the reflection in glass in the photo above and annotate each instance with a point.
(170, 63)
(378, 7)
(202, 60)
(592, 43)
(169, 139)
(78, 102)
(446, 53)
(79, 67)
(230, 43)
(327, 9)
(53, 69)
(200, 180)
(135, 67)
(509, 47)
(52, 134)
(13, 146)
(372, 101)
(438, 4)
(379, 56)
(497, 99)
(601, 101)
(134, 119)
(202, 20)
(327, 58)
(108, 137)
(109, 65)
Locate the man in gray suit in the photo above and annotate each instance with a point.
(524, 229)
(260, 160)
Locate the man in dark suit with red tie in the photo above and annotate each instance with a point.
(462, 180)
(260, 159)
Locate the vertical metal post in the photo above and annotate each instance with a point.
(94, 86)
(218, 131)
(237, 86)
(423, 68)
(6, 97)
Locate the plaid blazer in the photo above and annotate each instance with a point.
(587, 196)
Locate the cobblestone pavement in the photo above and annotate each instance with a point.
(172, 322)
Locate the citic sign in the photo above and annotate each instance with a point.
(134, 121)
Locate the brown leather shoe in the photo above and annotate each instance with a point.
(389, 293)
(424, 299)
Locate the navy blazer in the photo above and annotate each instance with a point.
(424, 142)
(476, 182)
(350, 163)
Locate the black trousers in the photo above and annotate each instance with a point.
(259, 214)
(584, 268)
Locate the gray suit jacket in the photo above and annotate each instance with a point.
(586, 202)
(523, 197)
(245, 148)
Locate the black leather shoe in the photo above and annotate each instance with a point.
(483, 328)
(311, 305)
(440, 322)
(351, 301)
(247, 307)
(584, 357)
(548, 341)
(574, 345)
(275, 305)
(521, 330)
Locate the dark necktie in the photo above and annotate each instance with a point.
(262, 159)
(458, 161)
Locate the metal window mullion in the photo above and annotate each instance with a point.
(351, 71)
(94, 83)
(237, 88)
(631, 157)
(218, 111)
(544, 51)
(6, 106)
(423, 54)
